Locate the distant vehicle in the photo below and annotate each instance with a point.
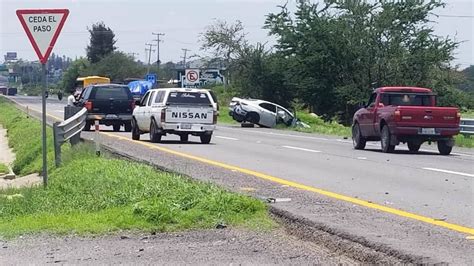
(408, 115)
(138, 88)
(260, 112)
(83, 82)
(111, 104)
(12, 91)
(176, 111)
(3, 90)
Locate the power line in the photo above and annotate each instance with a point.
(455, 16)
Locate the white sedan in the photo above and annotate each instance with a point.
(262, 113)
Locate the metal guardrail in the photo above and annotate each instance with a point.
(66, 130)
(467, 126)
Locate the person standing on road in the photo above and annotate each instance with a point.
(71, 99)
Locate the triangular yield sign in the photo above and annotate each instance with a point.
(42, 27)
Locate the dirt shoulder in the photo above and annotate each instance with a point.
(219, 246)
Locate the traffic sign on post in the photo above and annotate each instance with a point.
(42, 26)
(151, 78)
(191, 77)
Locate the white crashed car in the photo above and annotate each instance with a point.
(262, 113)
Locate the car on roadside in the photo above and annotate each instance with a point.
(178, 111)
(408, 115)
(260, 112)
(110, 104)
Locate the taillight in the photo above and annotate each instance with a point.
(163, 115)
(214, 118)
(458, 117)
(132, 104)
(397, 116)
(88, 105)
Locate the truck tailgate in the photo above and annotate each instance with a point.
(428, 116)
(191, 115)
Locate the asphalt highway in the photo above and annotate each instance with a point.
(424, 185)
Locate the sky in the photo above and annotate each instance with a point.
(133, 22)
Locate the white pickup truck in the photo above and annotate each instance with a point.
(176, 111)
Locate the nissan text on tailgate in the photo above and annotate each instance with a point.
(408, 115)
(181, 112)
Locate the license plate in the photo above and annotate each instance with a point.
(185, 126)
(428, 131)
(111, 116)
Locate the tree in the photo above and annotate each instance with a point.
(101, 42)
(117, 66)
(225, 40)
(75, 69)
(336, 51)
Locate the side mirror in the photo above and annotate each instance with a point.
(137, 102)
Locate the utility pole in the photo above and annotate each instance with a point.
(184, 57)
(158, 47)
(149, 50)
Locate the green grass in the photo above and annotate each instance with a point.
(225, 118)
(464, 141)
(468, 114)
(90, 194)
(3, 169)
(318, 125)
(24, 137)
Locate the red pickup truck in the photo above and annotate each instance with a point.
(408, 115)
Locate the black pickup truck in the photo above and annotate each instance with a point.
(110, 104)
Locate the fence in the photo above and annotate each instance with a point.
(467, 126)
(66, 130)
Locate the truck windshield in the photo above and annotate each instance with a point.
(198, 98)
(408, 99)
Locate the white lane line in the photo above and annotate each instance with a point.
(229, 138)
(300, 149)
(448, 172)
(283, 135)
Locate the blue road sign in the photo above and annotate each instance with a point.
(151, 78)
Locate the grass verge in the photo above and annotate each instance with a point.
(88, 194)
(3, 169)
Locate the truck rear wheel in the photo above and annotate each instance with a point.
(116, 127)
(206, 138)
(413, 147)
(184, 138)
(135, 130)
(155, 136)
(385, 140)
(357, 140)
(128, 126)
(444, 148)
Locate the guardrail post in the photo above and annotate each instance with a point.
(57, 145)
(70, 111)
(96, 139)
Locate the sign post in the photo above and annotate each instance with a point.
(42, 26)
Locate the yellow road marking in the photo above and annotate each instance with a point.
(454, 227)
(451, 226)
